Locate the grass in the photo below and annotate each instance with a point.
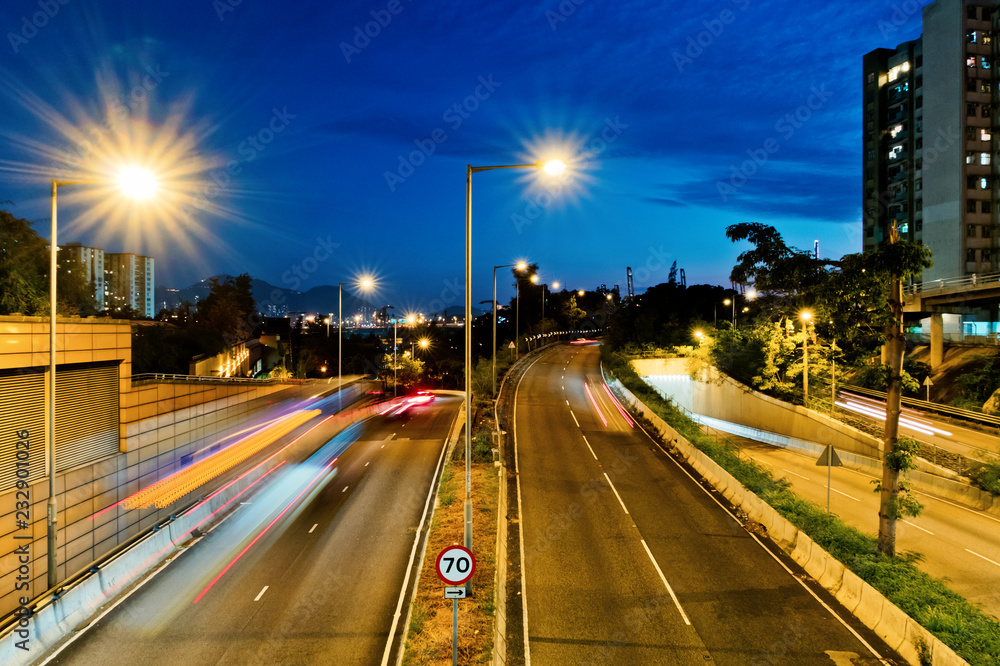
(943, 612)
(449, 487)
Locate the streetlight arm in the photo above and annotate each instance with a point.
(477, 169)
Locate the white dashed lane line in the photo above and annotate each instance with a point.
(313, 528)
(261, 593)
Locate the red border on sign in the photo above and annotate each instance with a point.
(437, 565)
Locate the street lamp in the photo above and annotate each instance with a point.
(365, 283)
(805, 316)
(552, 168)
(521, 265)
(731, 301)
(137, 183)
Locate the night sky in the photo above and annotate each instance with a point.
(307, 142)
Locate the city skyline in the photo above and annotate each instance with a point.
(326, 151)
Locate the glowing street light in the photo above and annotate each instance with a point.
(805, 316)
(365, 284)
(136, 183)
(552, 168)
(520, 266)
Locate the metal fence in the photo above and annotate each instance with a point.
(973, 280)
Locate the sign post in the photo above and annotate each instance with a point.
(829, 459)
(928, 383)
(455, 566)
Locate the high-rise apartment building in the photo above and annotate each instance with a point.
(91, 259)
(930, 126)
(129, 281)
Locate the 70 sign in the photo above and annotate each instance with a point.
(455, 565)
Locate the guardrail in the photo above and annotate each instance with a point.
(974, 280)
(198, 379)
(966, 414)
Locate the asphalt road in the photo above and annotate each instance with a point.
(959, 545)
(310, 571)
(627, 560)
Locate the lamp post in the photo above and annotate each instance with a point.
(519, 266)
(553, 167)
(805, 316)
(365, 283)
(731, 301)
(139, 184)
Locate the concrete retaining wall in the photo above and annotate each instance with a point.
(896, 628)
(724, 398)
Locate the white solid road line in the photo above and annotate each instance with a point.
(982, 556)
(768, 551)
(313, 527)
(261, 593)
(918, 527)
(665, 583)
(574, 418)
(409, 565)
(615, 491)
(588, 446)
(796, 474)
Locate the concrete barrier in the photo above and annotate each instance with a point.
(898, 630)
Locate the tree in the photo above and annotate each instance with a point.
(228, 309)
(24, 274)
(572, 314)
(861, 295)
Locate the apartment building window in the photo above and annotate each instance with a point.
(970, 254)
(970, 207)
(972, 12)
(985, 87)
(919, 224)
(986, 111)
(919, 103)
(970, 229)
(984, 134)
(920, 61)
(988, 231)
(970, 62)
(970, 109)
(919, 142)
(987, 206)
(970, 157)
(984, 159)
(972, 37)
(971, 85)
(984, 62)
(986, 254)
(984, 183)
(970, 182)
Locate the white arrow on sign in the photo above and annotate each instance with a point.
(454, 593)
(927, 381)
(455, 565)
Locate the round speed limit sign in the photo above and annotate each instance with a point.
(456, 564)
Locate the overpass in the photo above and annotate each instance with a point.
(975, 293)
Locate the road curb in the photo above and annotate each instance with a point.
(897, 629)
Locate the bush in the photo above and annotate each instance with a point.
(482, 447)
(987, 476)
(943, 612)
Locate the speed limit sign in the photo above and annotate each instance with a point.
(456, 564)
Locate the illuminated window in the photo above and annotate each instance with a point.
(970, 158)
(972, 37)
(984, 62)
(895, 131)
(895, 152)
(984, 158)
(984, 183)
(984, 135)
(970, 62)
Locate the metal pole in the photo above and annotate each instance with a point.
(805, 365)
(50, 520)
(454, 632)
(829, 474)
(517, 317)
(468, 359)
(495, 332)
(394, 363)
(340, 337)
(833, 375)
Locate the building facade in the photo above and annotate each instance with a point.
(929, 132)
(91, 259)
(129, 281)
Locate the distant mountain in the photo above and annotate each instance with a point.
(271, 300)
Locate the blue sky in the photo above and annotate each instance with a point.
(346, 130)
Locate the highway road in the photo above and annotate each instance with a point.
(960, 545)
(627, 560)
(316, 568)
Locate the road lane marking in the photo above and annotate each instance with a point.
(795, 473)
(257, 598)
(313, 527)
(409, 566)
(563, 388)
(616, 493)
(665, 583)
(918, 527)
(345, 489)
(588, 446)
(574, 418)
(959, 506)
(765, 548)
(567, 403)
(982, 556)
(845, 495)
(368, 463)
